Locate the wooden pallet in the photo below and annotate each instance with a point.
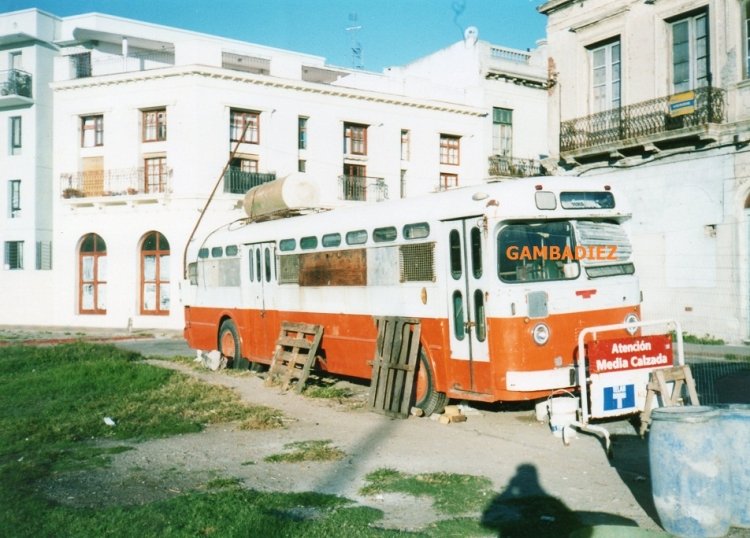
(295, 353)
(657, 386)
(394, 365)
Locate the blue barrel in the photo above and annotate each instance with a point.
(735, 426)
(689, 477)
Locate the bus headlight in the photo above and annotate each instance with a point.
(540, 332)
(631, 318)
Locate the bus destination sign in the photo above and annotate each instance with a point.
(621, 354)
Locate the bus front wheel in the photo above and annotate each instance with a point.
(229, 345)
(425, 396)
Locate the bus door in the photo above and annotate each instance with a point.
(258, 295)
(466, 287)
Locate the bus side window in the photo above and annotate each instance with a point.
(476, 252)
(458, 315)
(257, 265)
(268, 264)
(481, 330)
(454, 244)
(250, 264)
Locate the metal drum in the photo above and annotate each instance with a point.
(689, 477)
(735, 426)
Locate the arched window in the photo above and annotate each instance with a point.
(92, 275)
(155, 274)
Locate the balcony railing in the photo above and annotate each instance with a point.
(82, 65)
(115, 182)
(512, 55)
(15, 82)
(641, 119)
(512, 167)
(363, 188)
(239, 182)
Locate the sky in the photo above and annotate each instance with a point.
(390, 33)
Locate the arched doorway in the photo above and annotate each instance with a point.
(154, 281)
(92, 275)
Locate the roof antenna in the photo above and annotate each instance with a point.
(354, 44)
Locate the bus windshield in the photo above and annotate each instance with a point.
(533, 252)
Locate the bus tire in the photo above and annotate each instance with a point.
(229, 345)
(425, 396)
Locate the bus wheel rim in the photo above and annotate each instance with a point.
(227, 344)
(422, 385)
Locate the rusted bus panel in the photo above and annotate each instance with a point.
(337, 268)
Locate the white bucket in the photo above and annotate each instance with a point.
(562, 412)
(542, 410)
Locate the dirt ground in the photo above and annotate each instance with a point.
(506, 444)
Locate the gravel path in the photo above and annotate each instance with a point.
(510, 447)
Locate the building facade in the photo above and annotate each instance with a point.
(654, 95)
(149, 122)
(27, 53)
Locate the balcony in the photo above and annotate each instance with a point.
(15, 88)
(82, 65)
(362, 188)
(502, 166)
(239, 182)
(115, 186)
(642, 123)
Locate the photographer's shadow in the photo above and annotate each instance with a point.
(525, 509)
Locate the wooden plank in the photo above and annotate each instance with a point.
(394, 376)
(298, 342)
(292, 326)
(413, 357)
(394, 364)
(404, 333)
(387, 347)
(310, 360)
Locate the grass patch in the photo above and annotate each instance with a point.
(451, 493)
(706, 339)
(320, 450)
(223, 483)
(54, 399)
(328, 392)
(737, 358)
(260, 417)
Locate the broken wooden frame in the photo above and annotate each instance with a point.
(296, 350)
(394, 366)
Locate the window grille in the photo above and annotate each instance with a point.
(417, 262)
(289, 269)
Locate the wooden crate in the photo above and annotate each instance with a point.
(295, 353)
(394, 365)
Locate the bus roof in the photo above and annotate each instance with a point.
(504, 199)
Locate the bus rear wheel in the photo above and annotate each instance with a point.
(425, 396)
(229, 346)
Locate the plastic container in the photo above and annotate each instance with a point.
(562, 412)
(689, 476)
(735, 428)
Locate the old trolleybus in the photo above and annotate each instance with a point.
(502, 276)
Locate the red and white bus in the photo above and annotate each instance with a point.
(483, 268)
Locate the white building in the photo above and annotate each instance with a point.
(145, 118)
(26, 194)
(655, 95)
